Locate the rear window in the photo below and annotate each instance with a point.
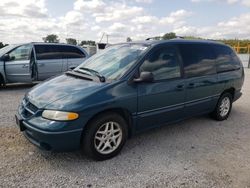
(226, 59)
(71, 52)
(198, 59)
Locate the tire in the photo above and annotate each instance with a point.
(2, 84)
(223, 107)
(99, 142)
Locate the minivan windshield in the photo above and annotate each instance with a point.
(6, 49)
(113, 62)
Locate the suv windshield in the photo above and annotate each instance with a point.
(113, 62)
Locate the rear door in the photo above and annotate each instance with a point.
(201, 78)
(49, 60)
(162, 100)
(17, 69)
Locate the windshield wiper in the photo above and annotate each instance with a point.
(94, 72)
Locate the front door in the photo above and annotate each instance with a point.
(17, 68)
(162, 100)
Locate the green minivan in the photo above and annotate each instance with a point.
(129, 88)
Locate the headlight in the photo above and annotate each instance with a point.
(59, 115)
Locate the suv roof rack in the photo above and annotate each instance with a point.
(161, 38)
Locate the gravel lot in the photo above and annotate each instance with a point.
(199, 152)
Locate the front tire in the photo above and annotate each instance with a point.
(223, 107)
(104, 136)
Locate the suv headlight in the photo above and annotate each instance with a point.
(59, 115)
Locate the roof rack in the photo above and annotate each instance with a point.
(161, 38)
(154, 38)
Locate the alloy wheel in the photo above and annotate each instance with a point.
(108, 137)
(224, 106)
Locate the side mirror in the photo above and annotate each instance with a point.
(5, 57)
(145, 77)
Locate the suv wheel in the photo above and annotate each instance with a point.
(223, 107)
(105, 136)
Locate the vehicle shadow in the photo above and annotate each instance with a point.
(19, 86)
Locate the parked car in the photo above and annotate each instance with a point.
(37, 61)
(129, 88)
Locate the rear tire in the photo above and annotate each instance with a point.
(104, 136)
(223, 107)
(2, 83)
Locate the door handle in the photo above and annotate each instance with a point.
(25, 66)
(40, 64)
(191, 85)
(179, 87)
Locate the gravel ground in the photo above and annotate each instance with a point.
(199, 152)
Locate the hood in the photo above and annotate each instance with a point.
(61, 87)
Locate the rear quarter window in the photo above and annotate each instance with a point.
(226, 59)
(71, 52)
(198, 59)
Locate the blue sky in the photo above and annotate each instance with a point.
(88, 19)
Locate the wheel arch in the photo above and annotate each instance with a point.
(124, 113)
(229, 90)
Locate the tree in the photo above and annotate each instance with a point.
(71, 41)
(168, 36)
(1, 45)
(51, 38)
(87, 42)
(129, 39)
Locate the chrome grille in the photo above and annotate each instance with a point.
(28, 109)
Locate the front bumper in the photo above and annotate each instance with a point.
(48, 140)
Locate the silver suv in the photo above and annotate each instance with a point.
(37, 61)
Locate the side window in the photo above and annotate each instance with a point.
(226, 59)
(198, 59)
(163, 63)
(21, 53)
(71, 52)
(44, 52)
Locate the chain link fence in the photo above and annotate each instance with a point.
(245, 60)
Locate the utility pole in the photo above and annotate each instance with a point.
(107, 38)
(248, 51)
(249, 61)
